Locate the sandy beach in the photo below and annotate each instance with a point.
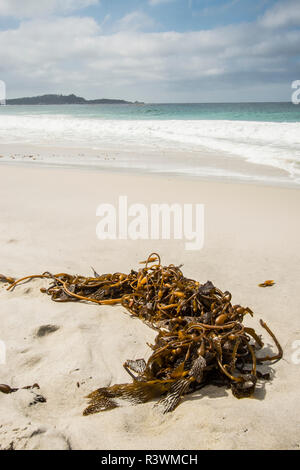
(48, 223)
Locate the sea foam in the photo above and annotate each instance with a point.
(275, 144)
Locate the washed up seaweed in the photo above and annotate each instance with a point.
(7, 389)
(37, 398)
(268, 283)
(201, 338)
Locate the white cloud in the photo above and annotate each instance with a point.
(135, 21)
(72, 54)
(282, 14)
(34, 8)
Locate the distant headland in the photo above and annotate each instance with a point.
(65, 99)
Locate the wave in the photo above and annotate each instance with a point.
(265, 143)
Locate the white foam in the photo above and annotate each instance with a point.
(268, 143)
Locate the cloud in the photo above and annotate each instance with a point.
(133, 64)
(282, 14)
(34, 8)
(135, 21)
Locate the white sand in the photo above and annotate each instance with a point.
(48, 222)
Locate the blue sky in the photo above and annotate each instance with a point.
(151, 50)
(183, 15)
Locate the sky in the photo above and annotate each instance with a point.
(151, 50)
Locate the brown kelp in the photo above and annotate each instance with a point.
(268, 283)
(201, 337)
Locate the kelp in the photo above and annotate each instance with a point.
(201, 338)
(268, 283)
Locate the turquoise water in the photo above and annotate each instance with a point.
(265, 112)
(246, 141)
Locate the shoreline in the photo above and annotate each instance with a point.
(256, 151)
(160, 175)
(203, 166)
(48, 222)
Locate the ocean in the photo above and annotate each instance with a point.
(219, 140)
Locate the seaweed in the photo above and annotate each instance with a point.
(268, 283)
(201, 337)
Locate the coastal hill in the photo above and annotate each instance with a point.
(65, 99)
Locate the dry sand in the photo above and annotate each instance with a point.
(48, 222)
